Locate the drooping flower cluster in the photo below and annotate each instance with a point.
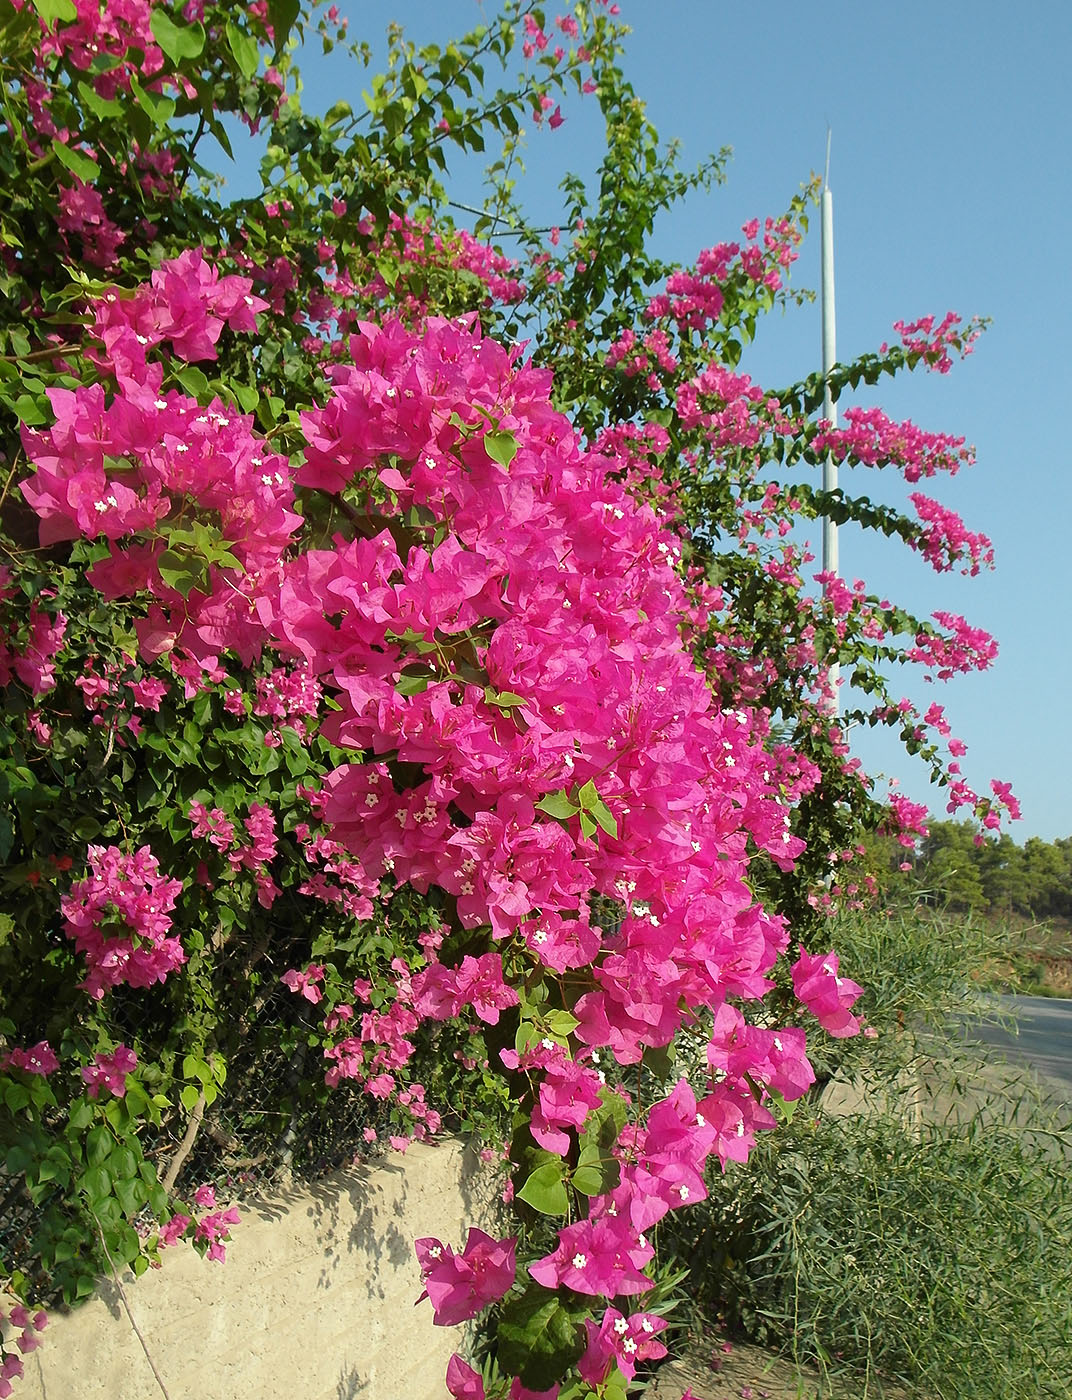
(871, 437)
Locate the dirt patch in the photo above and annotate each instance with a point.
(750, 1373)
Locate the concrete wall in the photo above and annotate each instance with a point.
(314, 1302)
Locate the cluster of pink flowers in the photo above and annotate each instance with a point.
(29, 1327)
(37, 1059)
(212, 1229)
(118, 917)
(109, 1071)
(869, 436)
(115, 29)
(82, 214)
(255, 854)
(31, 654)
(961, 647)
(827, 995)
(186, 303)
(693, 300)
(620, 1341)
(127, 470)
(461, 1285)
(946, 540)
(933, 341)
(289, 697)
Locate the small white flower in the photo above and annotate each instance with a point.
(579, 1261)
(701, 1121)
(160, 403)
(646, 1325)
(683, 1192)
(549, 1044)
(621, 1326)
(629, 1345)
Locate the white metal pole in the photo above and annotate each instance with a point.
(830, 471)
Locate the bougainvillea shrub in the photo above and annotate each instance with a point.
(462, 702)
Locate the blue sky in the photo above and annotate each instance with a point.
(949, 173)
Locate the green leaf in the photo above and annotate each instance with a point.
(603, 816)
(178, 41)
(281, 16)
(52, 11)
(183, 572)
(588, 1179)
(561, 1024)
(76, 162)
(501, 447)
(189, 1097)
(30, 410)
(98, 1145)
(246, 396)
(783, 1110)
(244, 48)
(159, 110)
(102, 107)
(545, 1190)
(558, 805)
(601, 1128)
(587, 795)
(526, 1036)
(193, 380)
(504, 699)
(97, 1184)
(81, 1115)
(131, 1195)
(538, 1338)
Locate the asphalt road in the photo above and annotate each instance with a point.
(1044, 1039)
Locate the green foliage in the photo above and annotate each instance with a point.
(934, 1256)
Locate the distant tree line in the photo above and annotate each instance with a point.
(953, 867)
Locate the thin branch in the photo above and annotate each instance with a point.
(186, 1146)
(499, 233)
(130, 1315)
